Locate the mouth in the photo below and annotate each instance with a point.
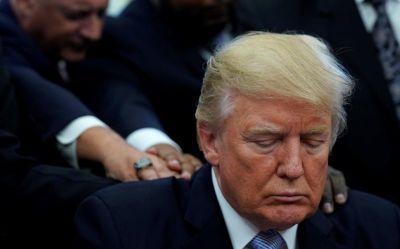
(288, 198)
(78, 46)
(216, 16)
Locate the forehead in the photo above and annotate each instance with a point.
(279, 113)
(79, 3)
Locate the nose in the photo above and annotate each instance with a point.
(291, 165)
(92, 28)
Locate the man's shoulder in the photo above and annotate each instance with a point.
(366, 215)
(362, 202)
(143, 194)
(365, 221)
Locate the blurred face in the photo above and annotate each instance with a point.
(65, 28)
(271, 159)
(198, 20)
(207, 12)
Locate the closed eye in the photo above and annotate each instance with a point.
(266, 145)
(315, 142)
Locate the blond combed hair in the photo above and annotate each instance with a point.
(263, 64)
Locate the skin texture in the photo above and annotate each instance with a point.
(63, 28)
(177, 161)
(271, 159)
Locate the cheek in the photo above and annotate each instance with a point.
(246, 176)
(316, 180)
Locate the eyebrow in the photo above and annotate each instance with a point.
(81, 8)
(274, 131)
(264, 130)
(318, 130)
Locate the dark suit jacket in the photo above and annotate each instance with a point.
(172, 213)
(148, 73)
(369, 150)
(47, 106)
(37, 201)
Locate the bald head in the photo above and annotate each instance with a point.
(62, 28)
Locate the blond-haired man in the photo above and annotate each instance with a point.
(270, 110)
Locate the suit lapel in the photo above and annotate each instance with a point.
(203, 213)
(354, 46)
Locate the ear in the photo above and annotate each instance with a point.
(208, 143)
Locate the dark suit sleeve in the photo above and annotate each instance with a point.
(8, 115)
(95, 226)
(50, 107)
(39, 199)
(112, 88)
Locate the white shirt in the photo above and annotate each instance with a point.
(368, 15)
(115, 7)
(220, 40)
(144, 138)
(66, 138)
(241, 231)
(141, 139)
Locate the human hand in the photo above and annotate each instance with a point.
(184, 164)
(122, 169)
(107, 147)
(335, 190)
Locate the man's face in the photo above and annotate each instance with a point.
(207, 12)
(65, 28)
(199, 20)
(271, 159)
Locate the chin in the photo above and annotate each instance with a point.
(73, 56)
(281, 218)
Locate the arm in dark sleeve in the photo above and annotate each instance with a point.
(113, 90)
(39, 199)
(50, 107)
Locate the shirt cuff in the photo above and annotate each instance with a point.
(66, 138)
(144, 138)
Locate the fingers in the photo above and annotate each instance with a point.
(173, 162)
(184, 164)
(168, 153)
(335, 191)
(160, 167)
(148, 173)
(157, 169)
(338, 183)
(189, 165)
(194, 161)
(327, 198)
(124, 170)
(122, 173)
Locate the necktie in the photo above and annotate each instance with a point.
(62, 70)
(389, 50)
(270, 239)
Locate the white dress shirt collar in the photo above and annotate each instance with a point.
(241, 231)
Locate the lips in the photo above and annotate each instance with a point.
(288, 198)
